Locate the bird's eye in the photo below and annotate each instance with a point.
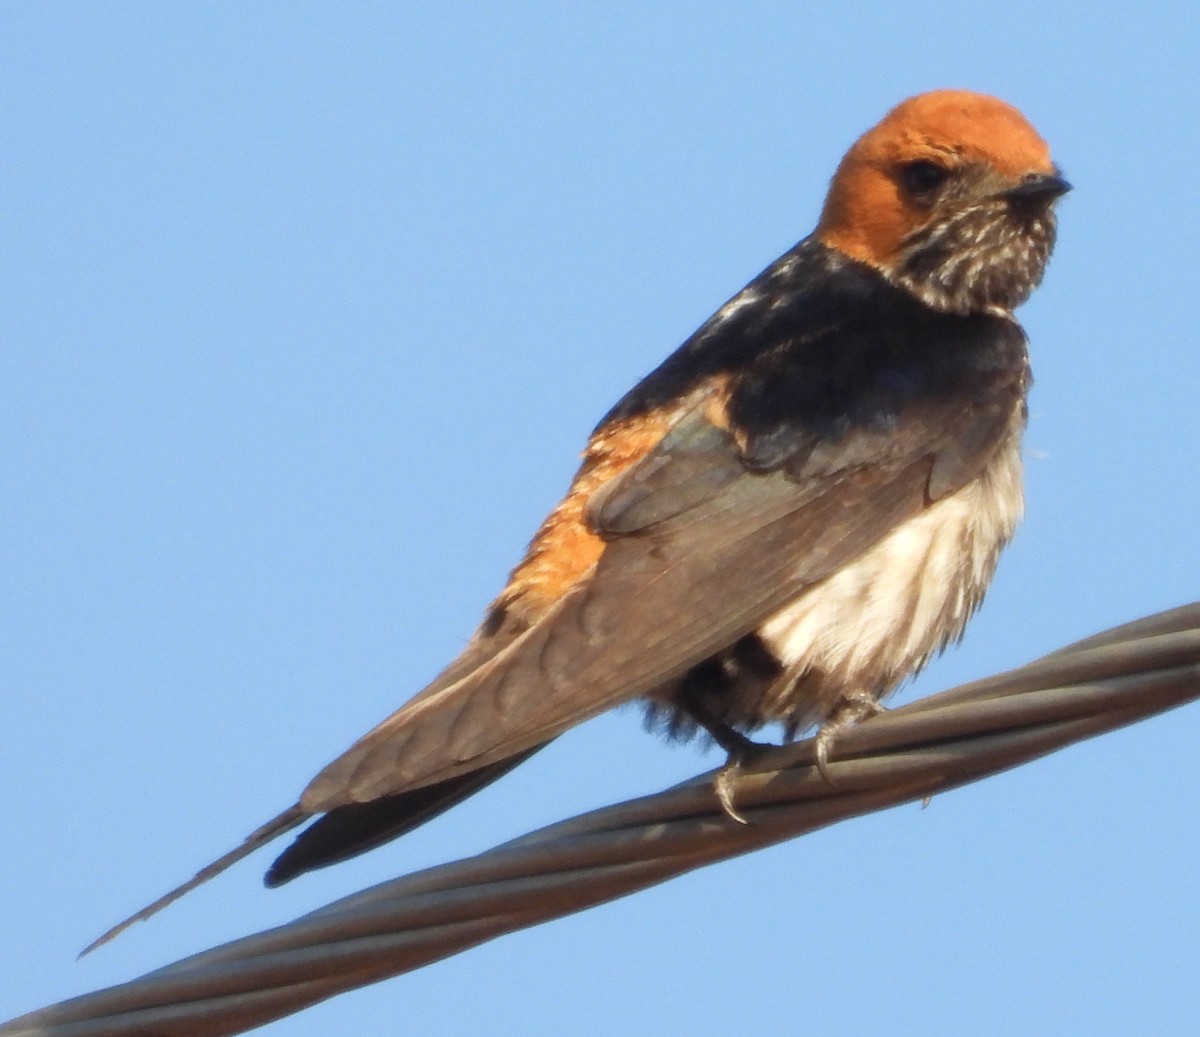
(923, 177)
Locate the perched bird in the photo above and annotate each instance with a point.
(780, 523)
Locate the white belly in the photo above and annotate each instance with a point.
(870, 625)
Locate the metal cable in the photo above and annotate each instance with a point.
(920, 749)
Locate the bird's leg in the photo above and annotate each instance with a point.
(851, 708)
(737, 746)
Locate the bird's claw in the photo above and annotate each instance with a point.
(725, 781)
(851, 709)
(723, 786)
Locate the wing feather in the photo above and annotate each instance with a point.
(702, 551)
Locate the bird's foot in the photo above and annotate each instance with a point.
(740, 753)
(850, 710)
(740, 749)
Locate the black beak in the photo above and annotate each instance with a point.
(1038, 187)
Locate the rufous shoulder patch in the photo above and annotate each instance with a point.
(565, 548)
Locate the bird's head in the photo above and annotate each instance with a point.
(951, 196)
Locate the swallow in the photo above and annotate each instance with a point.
(778, 525)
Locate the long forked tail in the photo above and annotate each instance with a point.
(342, 833)
(285, 822)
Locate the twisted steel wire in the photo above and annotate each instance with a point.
(929, 746)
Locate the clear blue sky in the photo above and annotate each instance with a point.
(306, 312)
